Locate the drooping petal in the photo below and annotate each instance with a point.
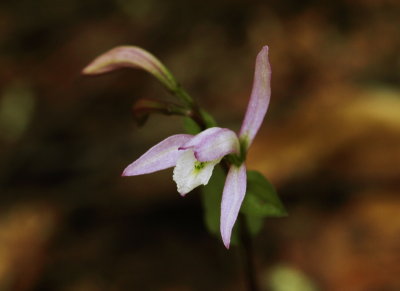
(259, 99)
(131, 57)
(189, 173)
(232, 198)
(213, 143)
(161, 156)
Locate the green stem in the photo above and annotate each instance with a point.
(184, 96)
(247, 255)
(198, 118)
(194, 109)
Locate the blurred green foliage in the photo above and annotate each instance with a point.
(16, 110)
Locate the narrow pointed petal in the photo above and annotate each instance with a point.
(161, 156)
(131, 57)
(213, 143)
(259, 99)
(232, 198)
(189, 173)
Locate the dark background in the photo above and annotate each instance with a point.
(330, 144)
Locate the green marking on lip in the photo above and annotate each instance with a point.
(199, 165)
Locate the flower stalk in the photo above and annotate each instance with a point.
(247, 255)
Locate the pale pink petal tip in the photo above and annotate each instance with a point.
(232, 198)
(259, 99)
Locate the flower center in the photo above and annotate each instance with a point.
(199, 165)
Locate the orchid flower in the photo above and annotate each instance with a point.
(194, 157)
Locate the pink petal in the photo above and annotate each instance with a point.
(259, 99)
(213, 143)
(130, 57)
(232, 198)
(161, 156)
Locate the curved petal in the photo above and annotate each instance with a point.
(161, 156)
(259, 99)
(131, 57)
(232, 198)
(213, 143)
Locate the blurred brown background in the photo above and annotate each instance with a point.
(330, 144)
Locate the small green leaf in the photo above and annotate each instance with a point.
(261, 201)
(208, 119)
(190, 126)
(254, 223)
(211, 198)
(261, 198)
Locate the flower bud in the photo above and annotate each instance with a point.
(131, 57)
